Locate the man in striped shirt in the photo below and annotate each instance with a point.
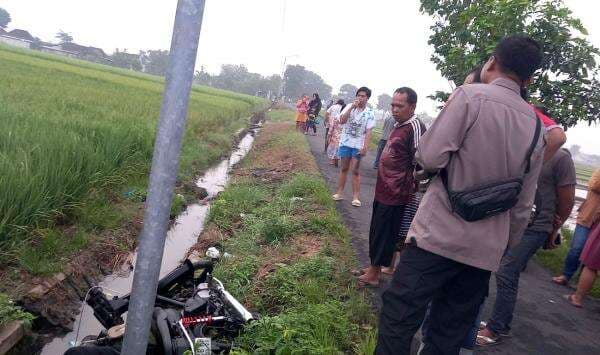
(395, 184)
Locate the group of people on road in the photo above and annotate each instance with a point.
(307, 113)
(479, 192)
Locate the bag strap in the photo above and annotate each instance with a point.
(536, 137)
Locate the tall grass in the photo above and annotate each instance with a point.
(70, 126)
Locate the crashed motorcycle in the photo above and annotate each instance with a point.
(193, 314)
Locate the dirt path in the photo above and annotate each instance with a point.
(544, 323)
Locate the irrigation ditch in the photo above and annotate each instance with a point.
(56, 301)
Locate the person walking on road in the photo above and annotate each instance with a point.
(554, 201)
(588, 214)
(388, 125)
(314, 107)
(357, 122)
(301, 116)
(590, 257)
(332, 116)
(453, 248)
(395, 185)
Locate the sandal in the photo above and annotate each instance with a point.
(337, 197)
(484, 341)
(356, 203)
(560, 280)
(569, 298)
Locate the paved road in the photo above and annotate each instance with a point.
(544, 323)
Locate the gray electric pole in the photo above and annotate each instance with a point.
(165, 163)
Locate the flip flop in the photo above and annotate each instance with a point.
(569, 298)
(356, 203)
(337, 197)
(560, 281)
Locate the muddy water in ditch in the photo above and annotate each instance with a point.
(182, 236)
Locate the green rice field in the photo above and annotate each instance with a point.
(584, 172)
(70, 127)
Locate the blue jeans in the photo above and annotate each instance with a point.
(380, 147)
(507, 279)
(577, 243)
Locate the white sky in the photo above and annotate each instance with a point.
(381, 44)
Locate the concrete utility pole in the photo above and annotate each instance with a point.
(165, 163)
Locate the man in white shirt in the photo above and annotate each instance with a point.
(358, 120)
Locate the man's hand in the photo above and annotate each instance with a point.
(551, 241)
(363, 151)
(558, 222)
(354, 103)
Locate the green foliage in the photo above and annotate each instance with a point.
(49, 250)
(235, 201)
(300, 81)
(70, 127)
(277, 227)
(237, 78)
(281, 115)
(465, 34)
(4, 18)
(64, 37)
(367, 344)
(9, 312)
(299, 284)
(307, 186)
(317, 329)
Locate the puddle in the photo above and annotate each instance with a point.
(180, 238)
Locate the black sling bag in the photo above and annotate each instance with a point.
(489, 199)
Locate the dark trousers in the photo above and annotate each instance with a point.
(311, 124)
(507, 279)
(383, 234)
(455, 291)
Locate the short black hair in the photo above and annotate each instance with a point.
(364, 89)
(519, 54)
(411, 95)
(476, 73)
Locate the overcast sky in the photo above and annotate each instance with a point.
(381, 44)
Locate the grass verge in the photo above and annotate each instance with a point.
(291, 252)
(555, 260)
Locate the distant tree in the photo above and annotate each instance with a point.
(347, 92)
(465, 33)
(384, 101)
(126, 60)
(298, 80)
(64, 37)
(4, 18)
(202, 77)
(155, 61)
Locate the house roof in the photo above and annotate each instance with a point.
(74, 47)
(21, 34)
